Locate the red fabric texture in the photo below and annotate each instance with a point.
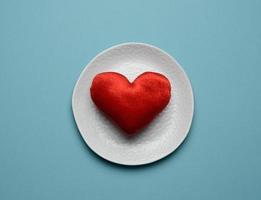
(131, 105)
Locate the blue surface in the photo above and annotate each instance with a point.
(44, 45)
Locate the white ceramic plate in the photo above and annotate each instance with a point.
(163, 135)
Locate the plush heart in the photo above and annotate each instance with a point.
(131, 105)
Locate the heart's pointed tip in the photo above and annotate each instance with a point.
(128, 132)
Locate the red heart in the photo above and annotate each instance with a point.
(131, 105)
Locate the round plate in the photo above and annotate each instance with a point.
(163, 135)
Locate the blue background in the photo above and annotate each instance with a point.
(44, 45)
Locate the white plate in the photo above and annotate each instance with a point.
(163, 135)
